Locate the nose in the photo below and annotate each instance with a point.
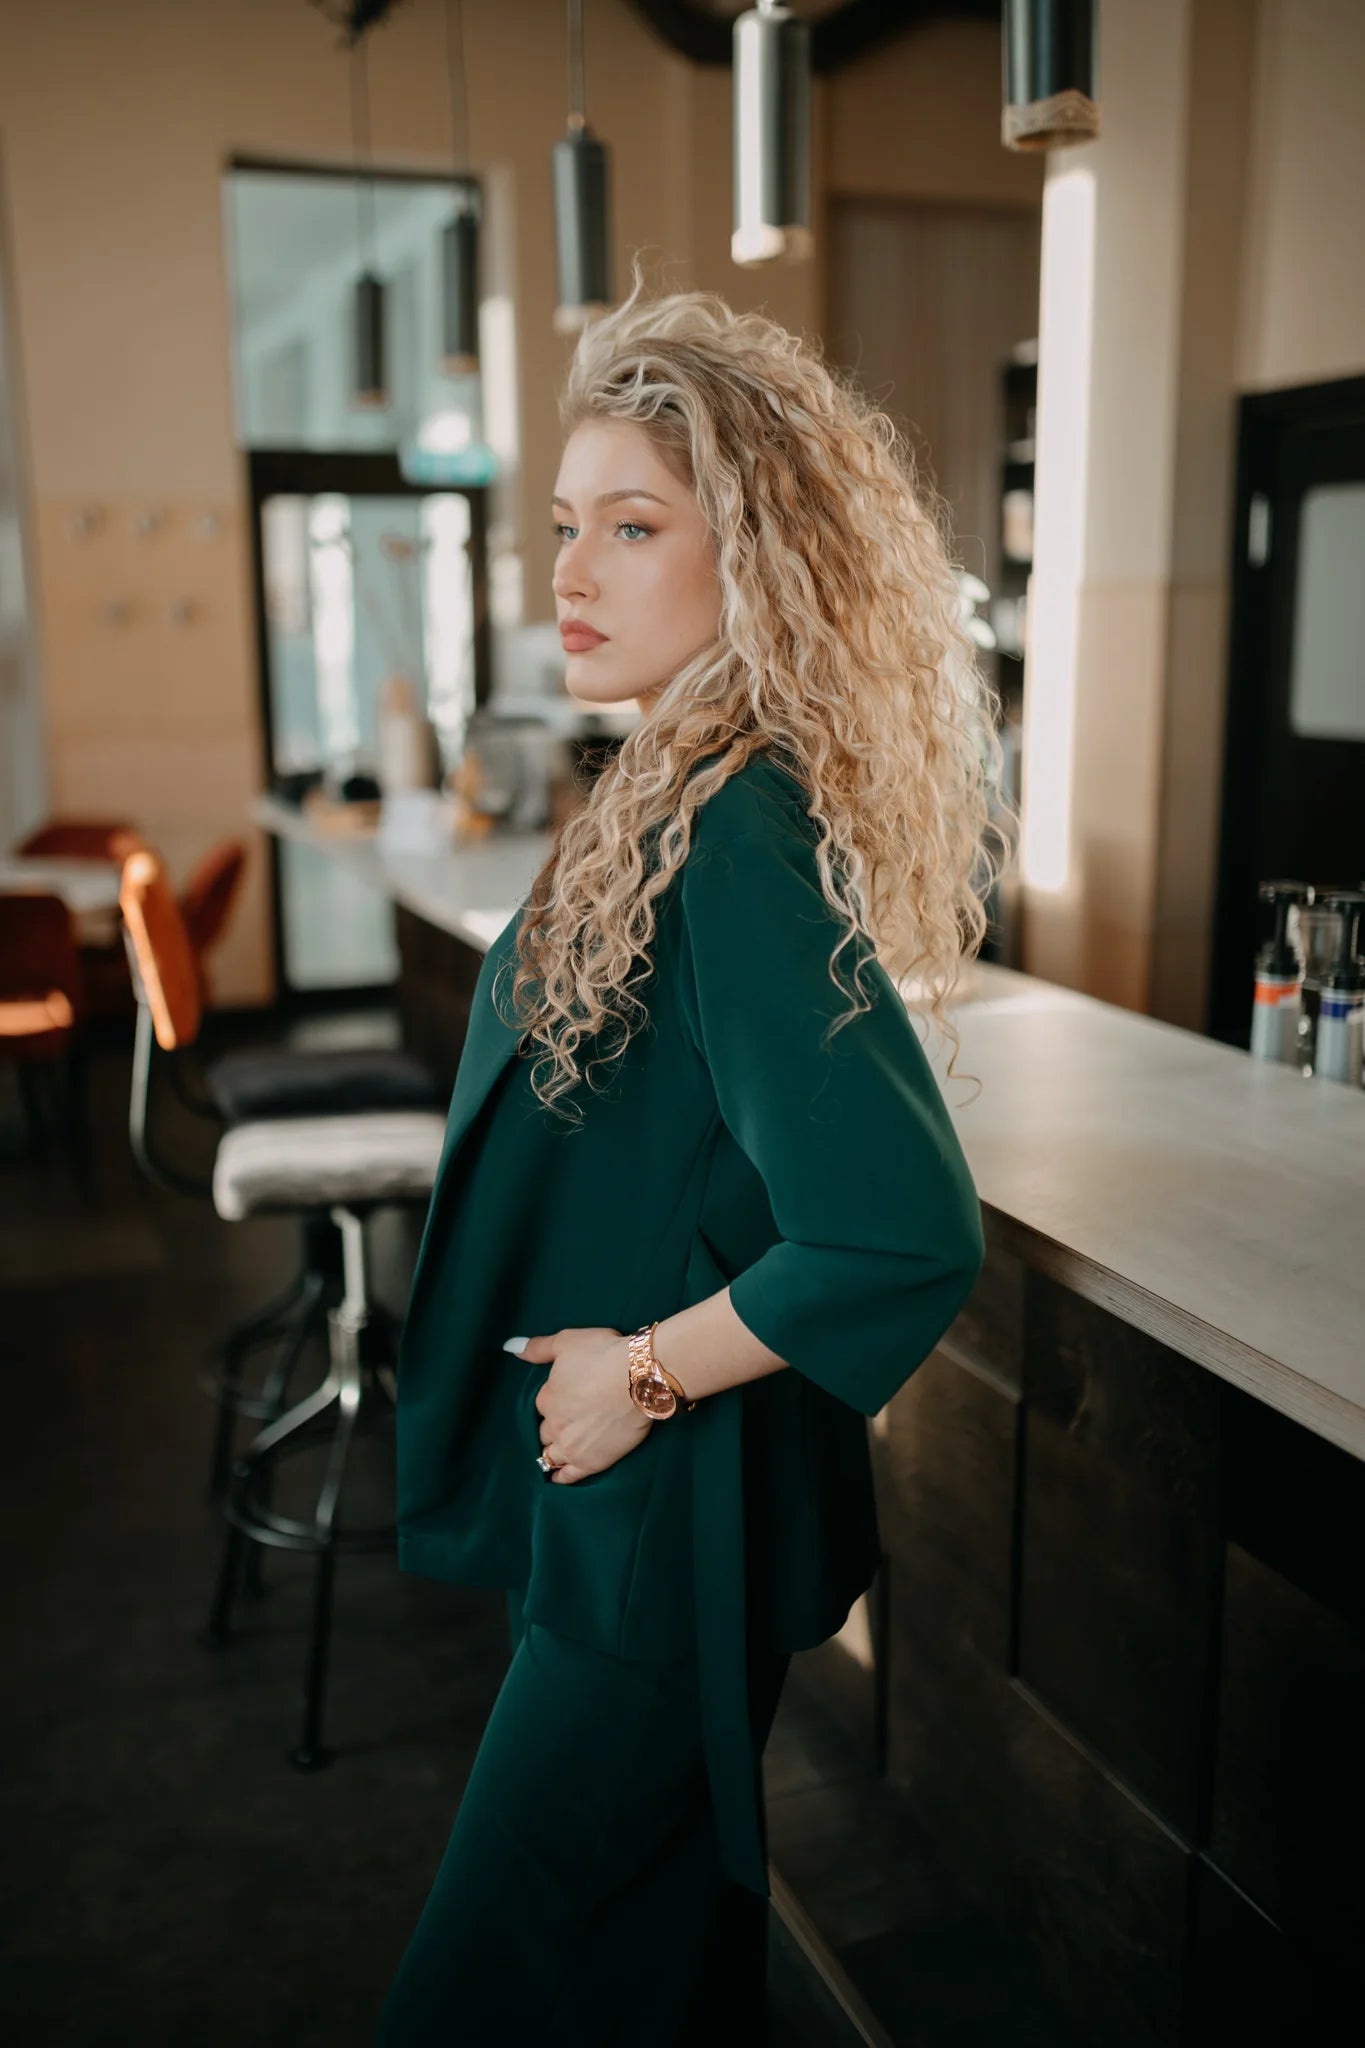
(573, 573)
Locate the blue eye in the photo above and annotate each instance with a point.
(559, 529)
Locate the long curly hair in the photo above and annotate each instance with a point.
(842, 647)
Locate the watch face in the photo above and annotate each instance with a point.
(657, 1400)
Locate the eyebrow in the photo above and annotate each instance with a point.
(610, 498)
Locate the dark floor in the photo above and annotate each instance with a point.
(168, 1876)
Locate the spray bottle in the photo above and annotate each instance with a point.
(1342, 1017)
(1279, 980)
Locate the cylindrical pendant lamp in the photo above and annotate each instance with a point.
(460, 294)
(771, 128)
(581, 173)
(367, 305)
(460, 235)
(368, 387)
(1049, 66)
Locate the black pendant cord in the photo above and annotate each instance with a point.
(578, 112)
(360, 138)
(459, 100)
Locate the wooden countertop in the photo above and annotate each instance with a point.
(1208, 1198)
(1214, 1200)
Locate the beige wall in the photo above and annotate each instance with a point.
(1302, 308)
(115, 125)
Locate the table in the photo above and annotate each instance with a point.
(89, 888)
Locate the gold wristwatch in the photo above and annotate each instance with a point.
(655, 1392)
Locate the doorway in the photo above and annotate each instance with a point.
(1294, 747)
(360, 576)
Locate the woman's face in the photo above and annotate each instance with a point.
(635, 563)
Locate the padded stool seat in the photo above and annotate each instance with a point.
(247, 1087)
(294, 1163)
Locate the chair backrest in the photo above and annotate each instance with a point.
(38, 956)
(208, 898)
(82, 839)
(161, 950)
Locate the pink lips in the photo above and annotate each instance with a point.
(577, 637)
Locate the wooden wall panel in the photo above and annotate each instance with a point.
(1120, 1548)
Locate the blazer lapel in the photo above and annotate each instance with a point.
(489, 1045)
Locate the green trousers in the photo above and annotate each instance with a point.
(580, 1900)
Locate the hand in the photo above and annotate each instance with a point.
(587, 1418)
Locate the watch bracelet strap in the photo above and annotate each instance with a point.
(646, 1332)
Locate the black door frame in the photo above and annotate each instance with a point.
(1261, 594)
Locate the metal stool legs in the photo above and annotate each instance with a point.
(356, 1396)
(287, 1323)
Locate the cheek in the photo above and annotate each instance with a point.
(674, 609)
(685, 598)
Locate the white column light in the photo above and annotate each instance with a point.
(1066, 323)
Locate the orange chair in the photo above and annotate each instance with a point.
(81, 839)
(42, 1001)
(208, 900)
(104, 965)
(327, 1138)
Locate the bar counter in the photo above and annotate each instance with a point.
(1115, 1658)
(1208, 1199)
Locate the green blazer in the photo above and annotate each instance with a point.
(825, 1187)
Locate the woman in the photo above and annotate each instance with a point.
(647, 1325)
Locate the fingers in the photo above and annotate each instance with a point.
(533, 1350)
(566, 1475)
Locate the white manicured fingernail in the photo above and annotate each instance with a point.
(517, 1344)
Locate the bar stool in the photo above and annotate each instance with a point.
(342, 1166)
(356, 1165)
(246, 1088)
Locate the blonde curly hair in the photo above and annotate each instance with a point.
(841, 647)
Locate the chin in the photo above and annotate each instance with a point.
(587, 684)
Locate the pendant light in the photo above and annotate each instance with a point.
(368, 387)
(1049, 74)
(581, 176)
(771, 126)
(460, 235)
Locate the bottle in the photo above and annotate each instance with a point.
(1279, 980)
(1342, 1016)
(404, 741)
(1317, 931)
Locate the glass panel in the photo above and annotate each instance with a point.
(294, 247)
(1327, 668)
(357, 590)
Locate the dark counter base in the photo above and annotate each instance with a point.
(1124, 1666)
(436, 978)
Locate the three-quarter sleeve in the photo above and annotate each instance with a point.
(880, 1226)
